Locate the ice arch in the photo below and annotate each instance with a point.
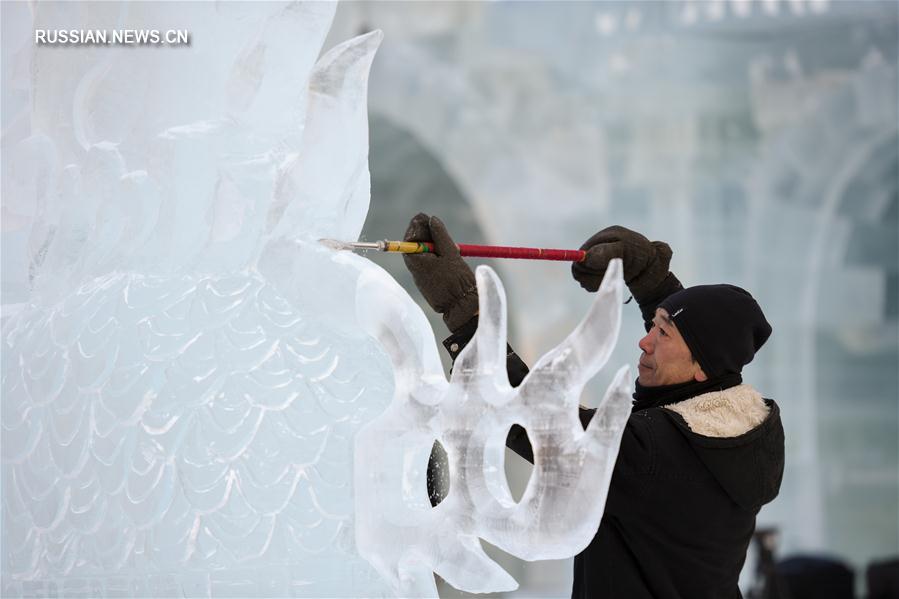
(832, 172)
(407, 177)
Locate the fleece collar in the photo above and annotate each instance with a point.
(728, 413)
(657, 397)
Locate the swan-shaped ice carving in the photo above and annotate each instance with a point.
(559, 513)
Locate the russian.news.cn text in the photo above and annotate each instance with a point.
(106, 37)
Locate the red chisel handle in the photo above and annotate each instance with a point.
(499, 251)
(489, 251)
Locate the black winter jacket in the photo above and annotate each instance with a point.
(681, 506)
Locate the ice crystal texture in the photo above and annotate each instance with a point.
(183, 390)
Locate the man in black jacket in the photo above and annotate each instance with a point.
(701, 452)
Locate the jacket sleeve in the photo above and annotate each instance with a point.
(456, 342)
(648, 306)
(635, 455)
(517, 440)
(635, 465)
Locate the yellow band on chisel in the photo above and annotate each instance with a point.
(407, 247)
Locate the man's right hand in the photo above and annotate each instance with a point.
(444, 279)
(645, 262)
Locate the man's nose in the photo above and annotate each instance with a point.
(646, 343)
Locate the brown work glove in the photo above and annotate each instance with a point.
(444, 279)
(645, 262)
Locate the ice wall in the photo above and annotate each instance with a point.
(182, 386)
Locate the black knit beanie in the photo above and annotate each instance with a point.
(722, 325)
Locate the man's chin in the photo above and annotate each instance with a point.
(645, 381)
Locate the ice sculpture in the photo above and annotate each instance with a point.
(183, 389)
(561, 507)
(181, 392)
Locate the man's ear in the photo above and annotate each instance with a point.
(700, 374)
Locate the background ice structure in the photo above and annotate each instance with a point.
(182, 388)
(759, 138)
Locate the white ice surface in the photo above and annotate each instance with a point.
(183, 388)
(180, 391)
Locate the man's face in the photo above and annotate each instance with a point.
(666, 359)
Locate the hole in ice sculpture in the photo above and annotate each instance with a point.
(498, 472)
(517, 469)
(423, 470)
(438, 474)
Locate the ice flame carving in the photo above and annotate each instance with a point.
(398, 531)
